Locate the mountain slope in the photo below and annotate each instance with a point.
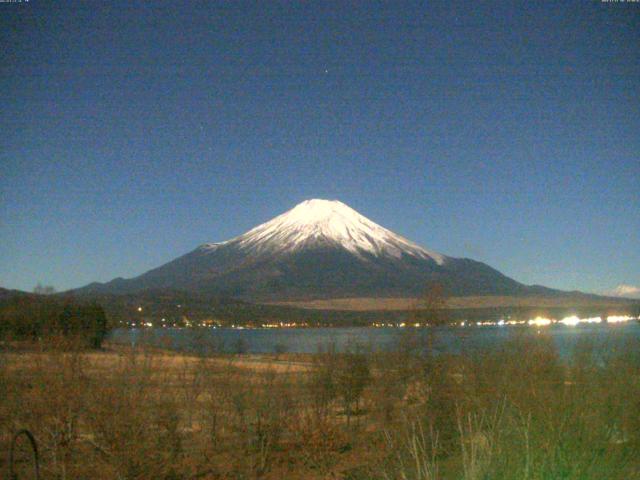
(318, 249)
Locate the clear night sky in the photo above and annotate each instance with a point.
(133, 131)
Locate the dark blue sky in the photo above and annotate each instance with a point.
(508, 132)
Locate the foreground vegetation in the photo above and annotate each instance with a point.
(518, 412)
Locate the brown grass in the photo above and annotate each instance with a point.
(518, 412)
(375, 304)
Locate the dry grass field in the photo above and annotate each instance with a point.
(375, 303)
(517, 412)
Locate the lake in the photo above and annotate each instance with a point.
(311, 340)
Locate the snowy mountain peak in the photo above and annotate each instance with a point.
(317, 210)
(327, 222)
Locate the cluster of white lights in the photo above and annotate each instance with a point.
(570, 321)
(619, 318)
(573, 320)
(284, 325)
(540, 321)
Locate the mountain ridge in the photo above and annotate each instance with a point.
(318, 249)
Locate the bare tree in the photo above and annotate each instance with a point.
(431, 307)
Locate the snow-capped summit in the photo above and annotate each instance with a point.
(327, 222)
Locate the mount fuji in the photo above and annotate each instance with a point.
(318, 249)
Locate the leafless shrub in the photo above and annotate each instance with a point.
(413, 454)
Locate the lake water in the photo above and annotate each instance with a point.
(311, 340)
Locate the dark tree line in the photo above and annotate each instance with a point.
(34, 317)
